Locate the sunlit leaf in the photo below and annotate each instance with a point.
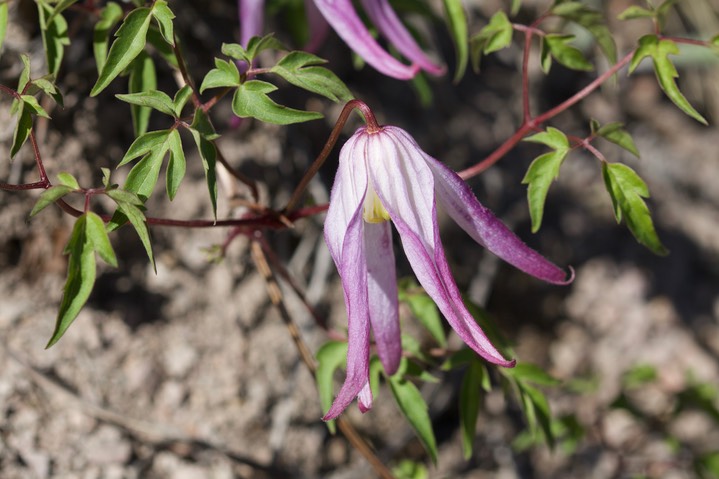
(251, 100)
(129, 42)
(109, 17)
(414, 408)
(54, 36)
(225, 74)
(496, 35)
(659, 51)
(628, 191)
(163, 15)
(50, 196)
(154, 99)
(301, 69)
(176, 166)
(566, 54)
(203, 134)
(97, 236)
(80, 278)
(616, 133)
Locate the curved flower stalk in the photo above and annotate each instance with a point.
(342, 17)
(384, 176)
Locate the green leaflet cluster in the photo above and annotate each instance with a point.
(128, 40)
(251, 100)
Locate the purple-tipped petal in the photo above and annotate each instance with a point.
(382, 290)
(344, 234)
(341, 15)
(252, 17)
(457, 199)
(353, 271)
(405, 185)
(387, 21)
(317, 25)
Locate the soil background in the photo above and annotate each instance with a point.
(190, 372)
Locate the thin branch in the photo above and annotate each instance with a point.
(533, 124)
(372, 127)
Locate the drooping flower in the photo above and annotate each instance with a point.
(384, 176)
(343, 18)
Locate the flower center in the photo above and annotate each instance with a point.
(373, 211)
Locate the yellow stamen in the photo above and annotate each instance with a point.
(373, 211)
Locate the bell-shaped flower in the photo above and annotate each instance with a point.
(384, 176)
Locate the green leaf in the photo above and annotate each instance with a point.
(154, 99)
(552, 138)
(145, 144)
(45, 84)
(97, 236)
(593, 21)
(61, 6)
(176, 166)
(80, 278)
(33, 107)
(495, 36)
(615, 133)
(258, 44)
(3, 23)
(543, 171)
(180, 100)
(635, 12)
(569, 56)
(142, 79)
(54, 36)
(225, 74)
(663, 10)
(137, 220)
(251, 100)
(23, 127)
(627, 191)
(457, 24)
(50, 196)
(129, 42)
(414, 408)
(516, 5)
(425, 310)
(469, 405)
(109, 17)
(523, 372)
(707, 465)
(639, 376)
(143, 176)
(659, 51)
(301, 70)
(330, 357)
(537, 411)
(408, 469)
(68, 180)
(24, 74)
(203, 134)
(163, 15)
(123, 196)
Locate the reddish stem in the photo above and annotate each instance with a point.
(372, 127)
(532, 124)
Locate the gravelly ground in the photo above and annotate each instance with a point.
(190, 373)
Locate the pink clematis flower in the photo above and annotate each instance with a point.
(384, 176)
(343, 18)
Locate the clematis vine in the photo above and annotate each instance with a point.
(384, 177)
(343, 18)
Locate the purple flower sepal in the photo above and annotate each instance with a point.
(384, 176)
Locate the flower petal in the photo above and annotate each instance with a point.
(364, 398)
(405, 185)
(347, 195)
(341, 15)
(457, 199)
(353, 271)
(317, 25)
(386, 20)
(382, 291)
(252, 17)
